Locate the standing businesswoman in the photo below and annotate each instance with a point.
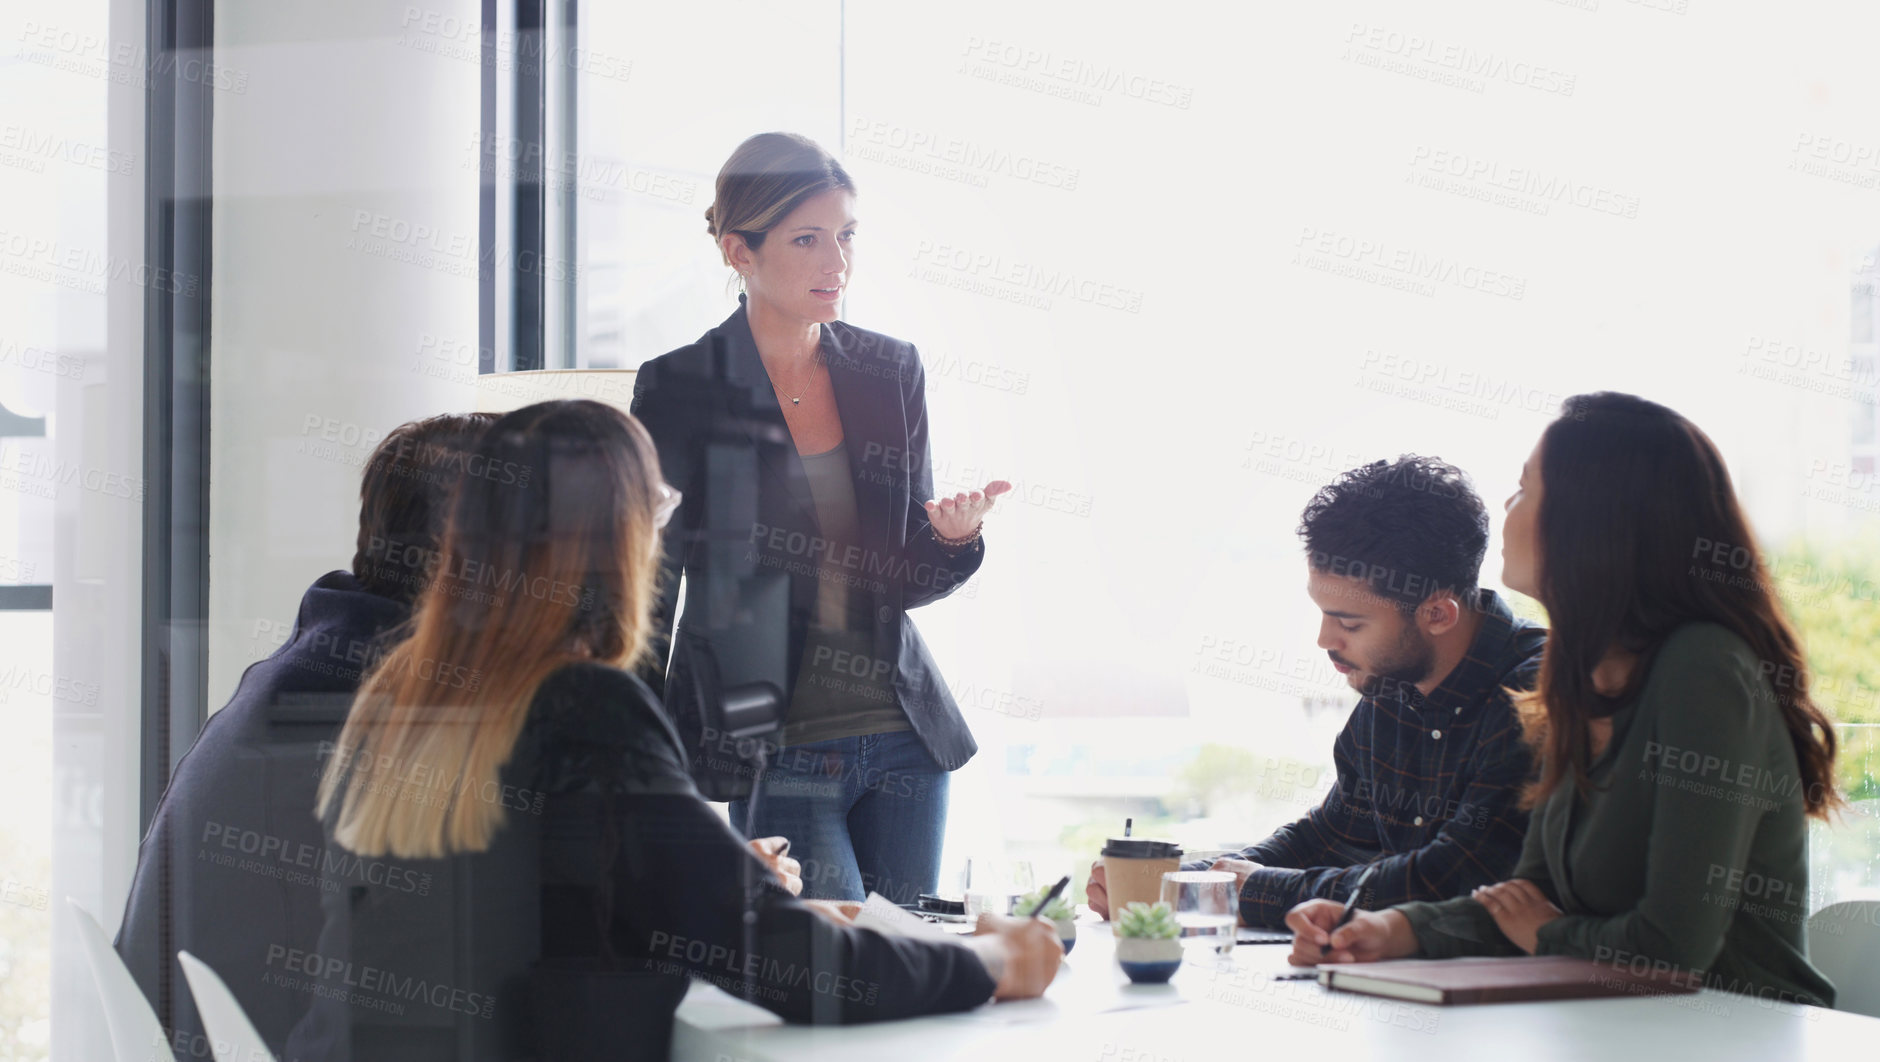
(1681, 755)
(807, 532)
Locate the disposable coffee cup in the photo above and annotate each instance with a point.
(1133, 869)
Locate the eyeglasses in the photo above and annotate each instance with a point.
(668, 504)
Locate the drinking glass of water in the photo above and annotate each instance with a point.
(994, 885)
(1206, 909)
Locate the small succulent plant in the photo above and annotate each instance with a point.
(1057, 910)
(1146, 921)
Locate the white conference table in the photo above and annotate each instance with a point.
(1091, 1013)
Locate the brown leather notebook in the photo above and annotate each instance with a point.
(1502, 980)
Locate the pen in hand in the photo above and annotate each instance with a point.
(1351, 907)
(1056, 891)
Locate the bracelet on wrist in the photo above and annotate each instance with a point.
(954, 546)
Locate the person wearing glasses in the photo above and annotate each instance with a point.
(544, 878)
(809, 529)
(1681, 752)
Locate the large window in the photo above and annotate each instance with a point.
(1169, 283)
(57, 165)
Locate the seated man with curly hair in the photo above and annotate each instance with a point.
(1431, 764)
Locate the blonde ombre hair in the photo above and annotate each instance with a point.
(550, 558)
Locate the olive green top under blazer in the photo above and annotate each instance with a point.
(1690, 847)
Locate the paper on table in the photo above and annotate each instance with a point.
(884, 916)
(1052, 1008)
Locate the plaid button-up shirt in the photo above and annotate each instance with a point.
(1427, 789)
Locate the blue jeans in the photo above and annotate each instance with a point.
(863, 814)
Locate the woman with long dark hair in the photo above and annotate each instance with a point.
(1681, 754)
(809, 530)
(538, 876)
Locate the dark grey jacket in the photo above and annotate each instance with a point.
(234, 864)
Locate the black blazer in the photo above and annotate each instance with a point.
(747, 540)
(573, 937)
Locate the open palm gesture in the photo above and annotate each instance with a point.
(959, 516)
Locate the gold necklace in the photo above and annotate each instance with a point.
(797, 399)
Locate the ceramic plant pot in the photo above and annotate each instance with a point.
(1067, 933)
(1149, 961)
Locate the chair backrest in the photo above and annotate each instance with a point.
(231, 1035)
(136, 1034)
(1844, 944)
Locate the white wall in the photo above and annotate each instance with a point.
(345, 234)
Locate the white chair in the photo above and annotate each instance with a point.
(1844, 944)
(136, 1034)
(231, 1035)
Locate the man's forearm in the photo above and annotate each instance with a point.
(1268, 893)
(1263, 853)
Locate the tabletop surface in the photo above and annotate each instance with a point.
(1092, 1012)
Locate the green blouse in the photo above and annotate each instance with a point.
(1689, 847)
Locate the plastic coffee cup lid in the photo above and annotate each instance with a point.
(1141, 848)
